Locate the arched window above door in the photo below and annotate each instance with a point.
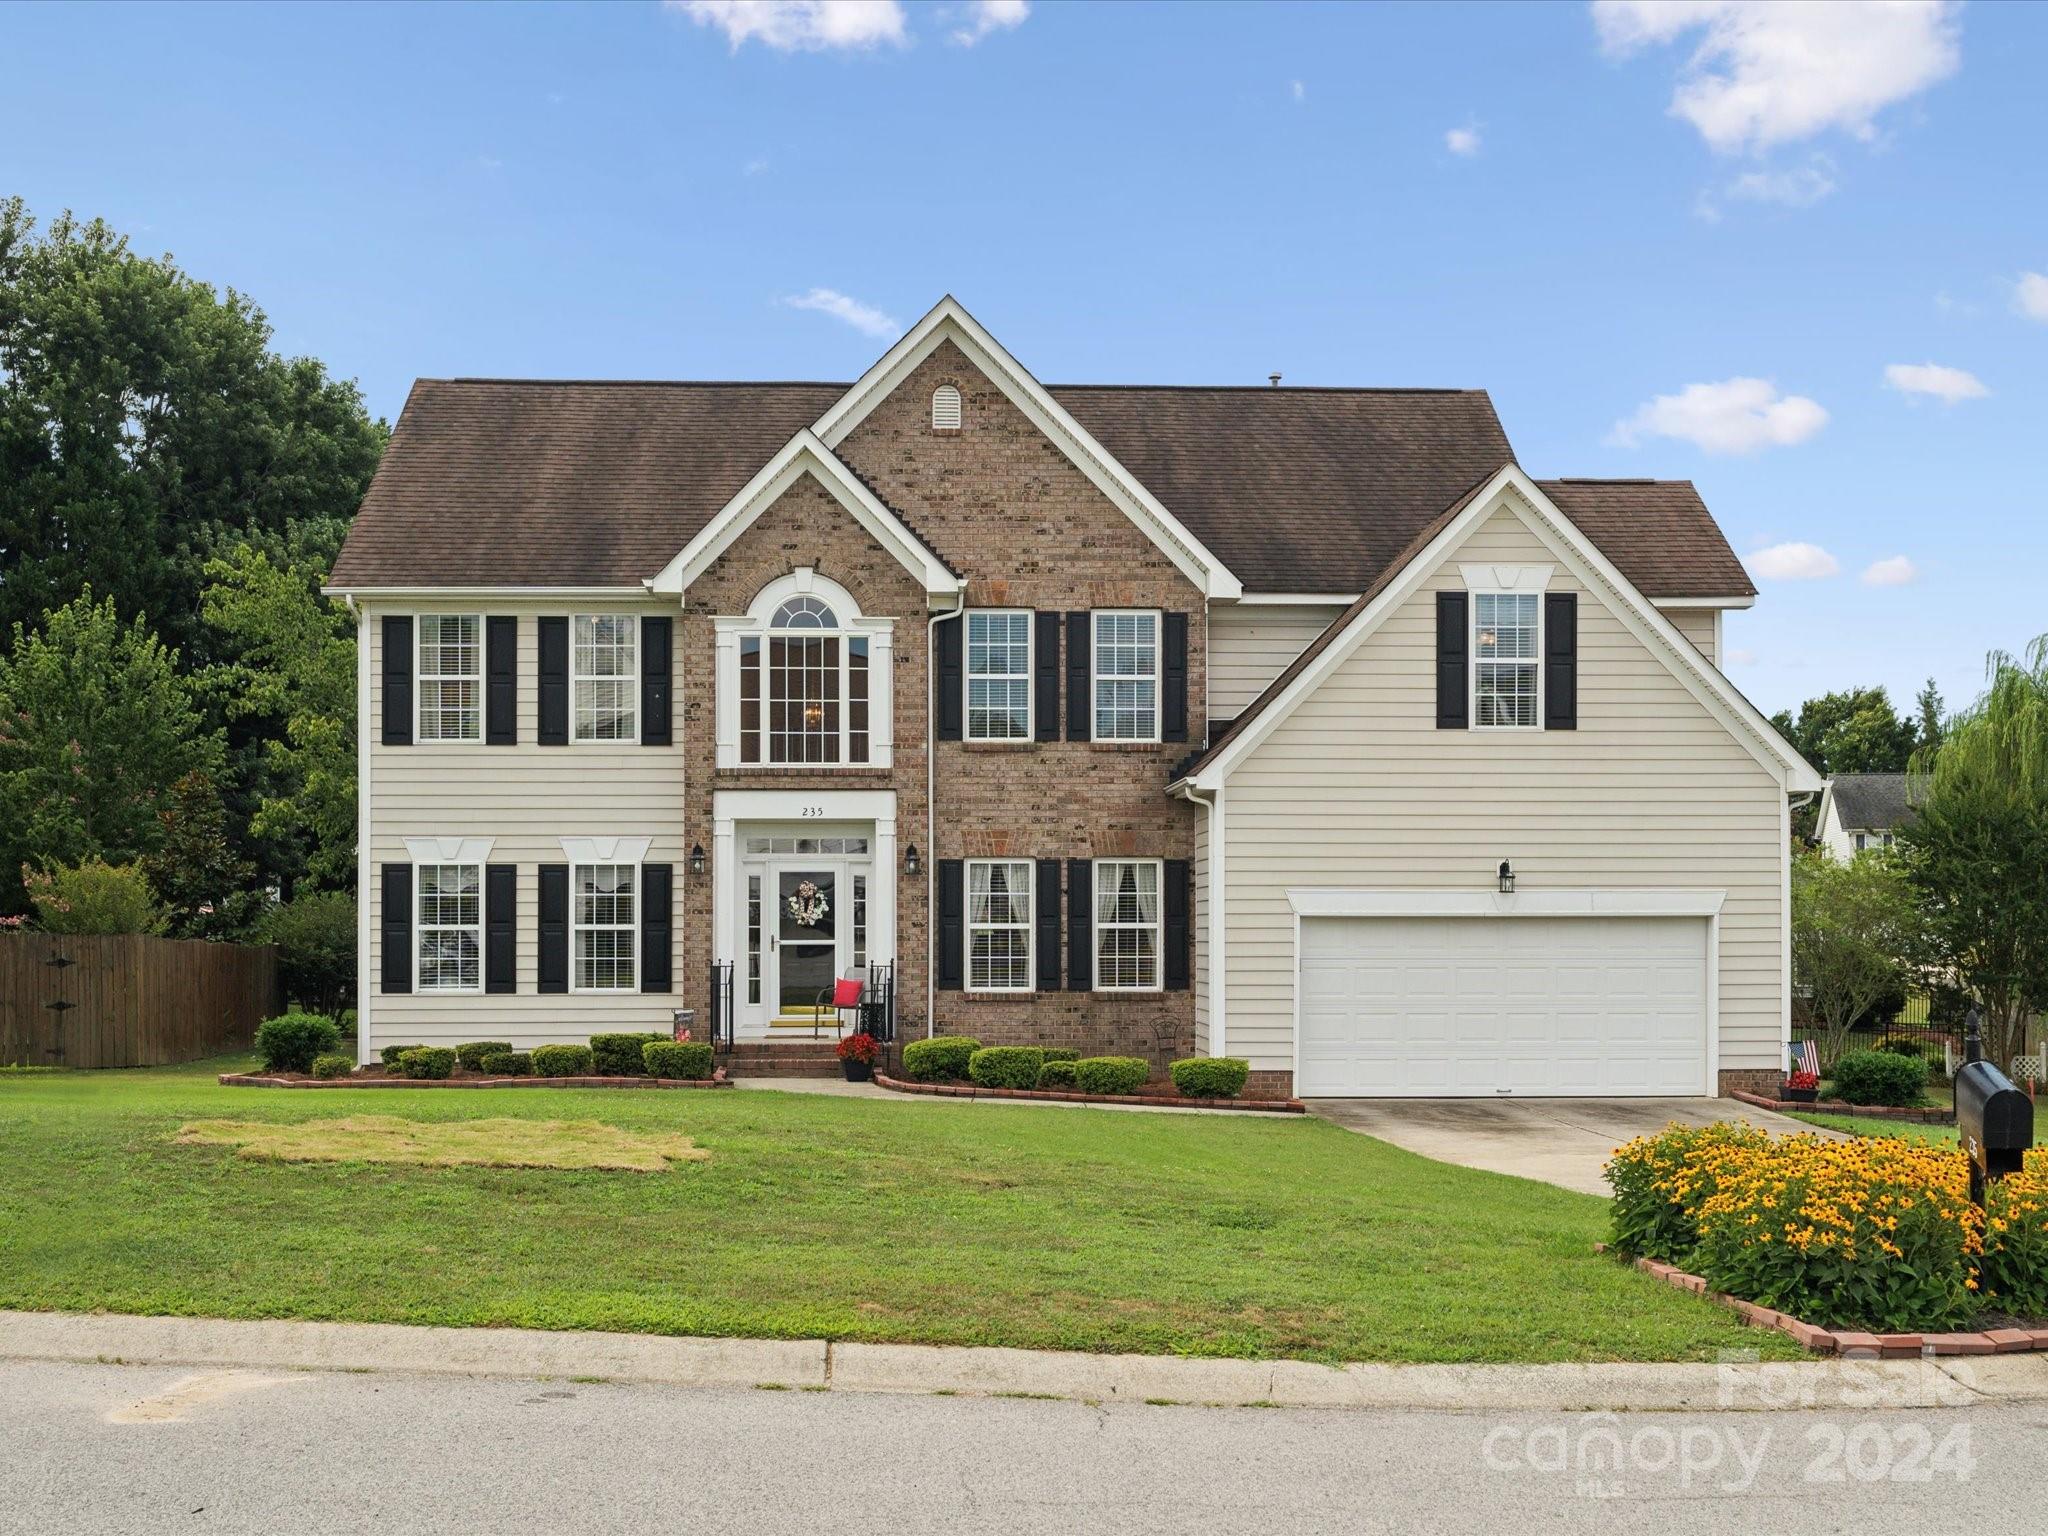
(804, 680)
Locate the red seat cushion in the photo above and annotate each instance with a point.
(846, 993)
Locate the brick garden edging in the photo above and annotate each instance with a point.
(258, 1080)
(1051, 1096)
(1837, 1107)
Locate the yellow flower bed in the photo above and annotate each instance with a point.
(2013, 1275)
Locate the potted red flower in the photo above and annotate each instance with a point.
(857, 1054)
(1802, 1087)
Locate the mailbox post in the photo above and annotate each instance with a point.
(1994, 1120)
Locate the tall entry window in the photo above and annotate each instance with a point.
(808, 682)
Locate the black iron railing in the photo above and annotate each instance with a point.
(878, 1011)
(719, 1028)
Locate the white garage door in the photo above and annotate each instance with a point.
(1455, 1006)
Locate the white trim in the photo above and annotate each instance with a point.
(804, 455)
(364, 872)
(1704, 602)
(1305, 599)
(1097, 677)
(949, 321)
(631, 677)
(1703, 680)
(1507, 578)
(1476, 587)
(419, 676)
(1028, 676)
(729, 630)
(418, 929)
(1029, 925)
(1720, 643)
(1784, 932)
(636, 926)
(509, 593)
(1320, 901)
(449, 850)
(605, 850)
(1095, 926)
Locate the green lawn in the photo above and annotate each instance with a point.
(1872, 1125)
(949, 1223)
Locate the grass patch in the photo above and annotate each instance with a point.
(896, 1222)
(449, 1143)
(1872, 1125)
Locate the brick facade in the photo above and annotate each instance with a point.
(1764, 1080)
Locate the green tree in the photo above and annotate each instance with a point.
(1854, 731)
(315, 935)
(93, 897)
(288, 679)
(96, 725)
(145, 427)
(207, 888)
(1932, 724)
(1976, 848)
(1854, 931)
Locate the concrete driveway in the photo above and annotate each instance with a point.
(1559, 1141)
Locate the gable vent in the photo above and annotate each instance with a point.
(945, 409)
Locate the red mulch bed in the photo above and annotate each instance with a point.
(1158, 1094)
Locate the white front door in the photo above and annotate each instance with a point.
(809, 932)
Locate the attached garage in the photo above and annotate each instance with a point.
(1510, 996)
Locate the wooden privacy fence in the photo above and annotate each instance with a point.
(130, 1000)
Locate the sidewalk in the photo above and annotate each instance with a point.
(818, 1365)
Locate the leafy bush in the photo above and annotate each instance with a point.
(471, 1053)
(677, 1058)
(1111, 1074)
(389, 1054)
(1006, 1066)
(1660, 1182)
(1057, 1075)
(289, 1042)
(1879, 1077)
(333, 1066)
(1211, 1077)
(1061, 1053)
(1903, 1045)
(315, 935)
(561, 1061)
(507, 1064)
(621, 1055)
(2013, 1274)
(941, 1059)
(426, 1061)
(95, 897)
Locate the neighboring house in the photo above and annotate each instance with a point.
(1148, 720)
(1859, 811)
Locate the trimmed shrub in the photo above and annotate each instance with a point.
(389, 1054)
(1661, 1181)
(561, 1061)
(289, 1042)
(1880, 1077)
(1057, 1075)
(1006, 1066)
(942, 1059)
(471, 1053)
(1111, 1074)
(431, 1062)
(507, 1064)
(677, 1058)
(1210, 1077)
(621, 1055)
(1902, 1046)
(315, 935)
(1061, 1053)
(333, 1066)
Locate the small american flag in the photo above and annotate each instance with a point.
(1805, 1057)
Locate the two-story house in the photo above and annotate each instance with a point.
(1294, 724)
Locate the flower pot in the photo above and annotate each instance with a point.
(856, 1071)
(1798, 1095)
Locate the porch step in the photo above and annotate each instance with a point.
(782, 1058)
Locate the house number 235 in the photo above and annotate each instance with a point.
(813, 812)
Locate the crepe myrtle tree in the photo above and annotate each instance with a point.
(1854, 932)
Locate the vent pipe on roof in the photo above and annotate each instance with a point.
(1273, 379)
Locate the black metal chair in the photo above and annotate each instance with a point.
(846, 995)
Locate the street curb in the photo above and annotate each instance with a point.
(815, 1364)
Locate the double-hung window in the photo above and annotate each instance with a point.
(603, 924)
(450, 928)
(1126, 652)
(1505, 648)
(1128, 925)
(603, 679)
(999, 925)
(451, 677)
(998, 676)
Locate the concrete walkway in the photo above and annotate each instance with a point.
(1559, 1141)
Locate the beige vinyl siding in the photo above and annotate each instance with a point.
(1251, 643)
(526, 798)
(1697, 625)
(1357, 789)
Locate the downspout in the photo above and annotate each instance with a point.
(931, 810)
(1212, 909)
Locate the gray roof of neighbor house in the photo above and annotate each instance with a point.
(1870, 802)
(508, 482)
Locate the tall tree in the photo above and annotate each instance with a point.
(1854, 731)
(1854, 928)
(146, 427)
(1932, 723)
(1977, 848)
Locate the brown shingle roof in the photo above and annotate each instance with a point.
(1658, 533)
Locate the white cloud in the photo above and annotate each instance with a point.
(1895, 572)
(865, 318)
(1463, 141)
(1793, 562)
(986, 16)
(1733, 416)
(1741, 658)
(2030, 298)
(1297, 90)
(1945, 384)
(800, 25)
(1799, 188)
(1773, 71)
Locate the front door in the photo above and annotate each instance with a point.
(805, 953)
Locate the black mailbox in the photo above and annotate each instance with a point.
(1994, 1122)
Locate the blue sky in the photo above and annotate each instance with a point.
(1610, 217)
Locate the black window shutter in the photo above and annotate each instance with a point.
(554, 682)
(657, 926)
(1080, 713)
(397, 680)
(1453, 646)
(952, 925)
(657, 647)
(952, 685)
(1179, 891)
(501, 681)
(1046, 895)
(1560, 661)
(1080, 925)
(396, 926)
(1173, 677)
(554, 927)
(501, 926)
(1045, 679)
